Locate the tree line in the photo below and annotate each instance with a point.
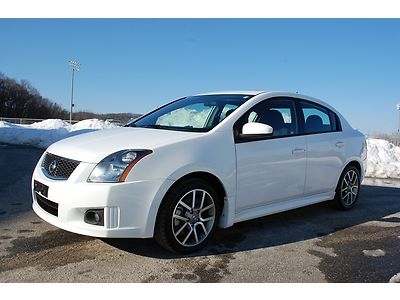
(22, 100)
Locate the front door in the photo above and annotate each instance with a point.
(271, 169)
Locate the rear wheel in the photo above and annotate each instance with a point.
(187, 217)
(348, 188)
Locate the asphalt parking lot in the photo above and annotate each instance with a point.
(312, 244)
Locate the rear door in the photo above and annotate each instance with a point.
(326, 147)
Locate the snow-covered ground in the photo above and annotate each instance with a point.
(383, 157)
(43, 134)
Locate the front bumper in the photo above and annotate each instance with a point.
(130, 208)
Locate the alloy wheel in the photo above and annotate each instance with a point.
(193, 218)
(349, 188)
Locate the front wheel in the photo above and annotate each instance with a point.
(348, 188)
(187, 217)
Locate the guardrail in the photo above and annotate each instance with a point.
(27, 121)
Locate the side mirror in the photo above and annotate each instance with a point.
(257, 129)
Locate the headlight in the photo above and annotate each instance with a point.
(116, 167)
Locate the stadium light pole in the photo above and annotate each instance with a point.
(75, 66)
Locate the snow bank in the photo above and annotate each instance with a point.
(383, 157)
(92, 124)
(43, 134)
(49, 124)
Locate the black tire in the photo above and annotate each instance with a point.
(348, 188)
(181, 230)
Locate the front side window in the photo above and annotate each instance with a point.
(280, 114)
(316, 118)
(195, 113)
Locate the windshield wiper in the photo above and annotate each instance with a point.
(174, 128)
(156, 126)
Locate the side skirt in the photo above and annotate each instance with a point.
(277, 207)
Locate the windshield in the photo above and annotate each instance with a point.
(195, 113)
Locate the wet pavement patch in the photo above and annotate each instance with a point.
(85, 271)
(47, 241)
(209, 270)
(48, 251)
(25, 231)
(214, 272)
(351, 264)
(2, 212)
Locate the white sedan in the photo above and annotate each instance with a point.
(199, 162)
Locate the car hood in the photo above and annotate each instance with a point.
(94, 146)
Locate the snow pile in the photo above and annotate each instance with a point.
(49, 124)
(383, 159)
(43, 134)
(92, 124)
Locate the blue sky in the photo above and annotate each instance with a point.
(135, 65)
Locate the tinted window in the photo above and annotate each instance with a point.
(335, 122)
(316, 118)
(277, 113)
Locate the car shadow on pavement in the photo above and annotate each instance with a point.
(374, 204)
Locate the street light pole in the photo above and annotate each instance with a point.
(75, 66)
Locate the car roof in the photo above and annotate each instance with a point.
(233, 92)
(271, 94)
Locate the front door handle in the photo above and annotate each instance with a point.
(339, 144)
(298, 151)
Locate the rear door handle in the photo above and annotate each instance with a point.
(339, 144)
(298, 151)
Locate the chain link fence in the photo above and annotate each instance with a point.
(25, 121)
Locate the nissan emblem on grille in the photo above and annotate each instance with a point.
(59, 168)
(53, 167)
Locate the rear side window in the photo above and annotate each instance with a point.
(317, 119)
(335, 121)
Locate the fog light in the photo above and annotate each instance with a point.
(94, 217)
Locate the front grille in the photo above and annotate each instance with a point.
(47, 205)
(56, 167)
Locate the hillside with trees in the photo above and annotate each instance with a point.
(22, 100)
